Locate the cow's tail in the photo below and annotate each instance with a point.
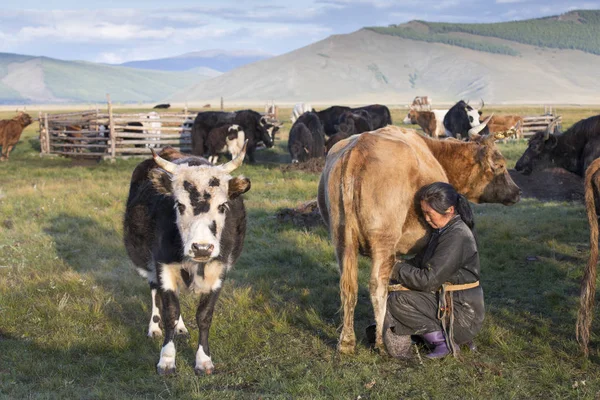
(588, 283)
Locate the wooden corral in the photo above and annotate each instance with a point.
(110, 135)
(539, 123)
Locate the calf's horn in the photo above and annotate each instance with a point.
(164, 164)
(476, 129)
(236, 162)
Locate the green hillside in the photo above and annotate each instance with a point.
(25, 79)
(578, 30)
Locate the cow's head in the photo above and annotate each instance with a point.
(24, 118)
(491, 182)
(411, 117)
(301, 148)
(539, 149)
(263, 132)
(201, 195)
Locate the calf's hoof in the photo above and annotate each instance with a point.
(347, 346)
(206, 368)
(164, 371)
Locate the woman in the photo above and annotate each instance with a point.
(438, 296)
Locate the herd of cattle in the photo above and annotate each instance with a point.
(185, 220)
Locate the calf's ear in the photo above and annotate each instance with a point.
(161, 180)
(238, 186)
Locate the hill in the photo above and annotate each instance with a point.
(214, 61)
(579, 30)
(371, 66)
(28, 79)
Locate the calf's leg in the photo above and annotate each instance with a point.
(204, 315)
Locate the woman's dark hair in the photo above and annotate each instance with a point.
(441, 195)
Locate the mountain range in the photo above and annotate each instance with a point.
(545, 60)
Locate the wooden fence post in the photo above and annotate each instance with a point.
(47, 133)
(42, 135)
(222, 108)
(111, 127)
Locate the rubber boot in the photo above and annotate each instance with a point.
(438, 340)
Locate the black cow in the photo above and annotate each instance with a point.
(225, 138)
(252, 123)
(184, 224)
(378, 115)
(462, 120)
(344, 131)
(307, 139)
(573, 150)
(356, 122)
(162, 106)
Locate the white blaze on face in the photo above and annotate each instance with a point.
(407, 120)
(473, 116)
(201, 204)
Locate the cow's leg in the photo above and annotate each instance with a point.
(169, 276)
(348, 262)
(204, 315)
(378, 289)
(154, 326)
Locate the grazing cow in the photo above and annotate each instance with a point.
(206, 105)
(432, 122)
(307, 139)
(252, 123)
(10, 132)
(573, 150)
(299, 109)
(330, 117)
(162, 106)
(367, 193)
(184, 225)
(225, 138)
(422, 103)
(587, 295)
(461, 118)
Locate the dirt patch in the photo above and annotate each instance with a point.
(305, 216)
(314, 165)
(551, 184)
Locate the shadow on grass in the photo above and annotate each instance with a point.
(300, 278)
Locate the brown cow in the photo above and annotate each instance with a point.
(367, 198)
(501, 124)
(432, 122)
(10, 132)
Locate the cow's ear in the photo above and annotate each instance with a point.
(551, 142)
(161, 180)
(238, 186)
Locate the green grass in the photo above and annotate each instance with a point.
(73, 312)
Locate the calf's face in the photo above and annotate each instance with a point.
(202, 196)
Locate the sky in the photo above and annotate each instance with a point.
(126, 30)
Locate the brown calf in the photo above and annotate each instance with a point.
(367, 198)
(10, 132)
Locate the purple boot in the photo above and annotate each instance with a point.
(438, 340)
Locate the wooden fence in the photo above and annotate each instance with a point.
(110, 135)
(535, 124)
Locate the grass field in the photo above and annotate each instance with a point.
(74, 313)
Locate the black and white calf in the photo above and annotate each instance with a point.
(225, 138)
(184, 225)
